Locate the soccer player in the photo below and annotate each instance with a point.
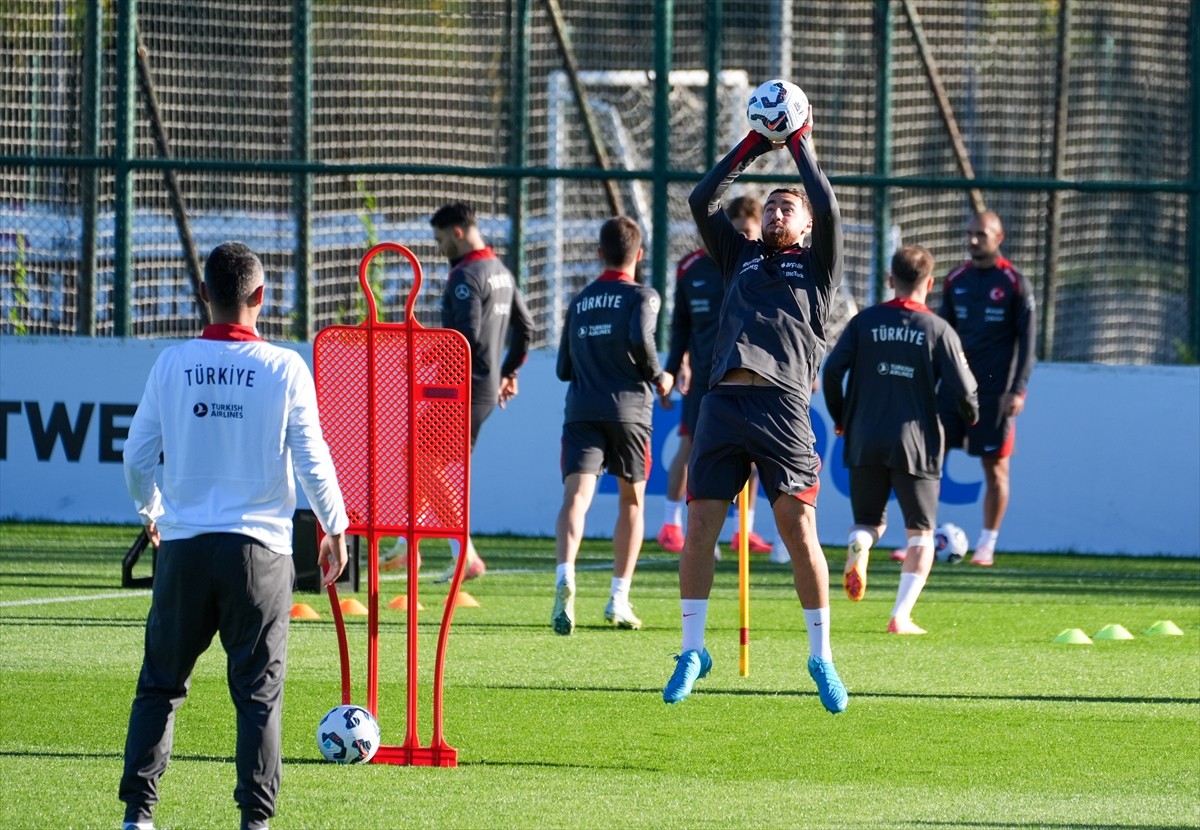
(233, 416)
(770, 341)
(990, 304)
(896, 353)
(608, 356)
(482, 302)
(699, 290)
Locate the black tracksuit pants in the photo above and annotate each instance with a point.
(216, 583)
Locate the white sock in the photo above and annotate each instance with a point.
(817, 622)
(987, 538)
(565, 572)
(863, 537)
(695, 615)
(620, 589)
(673, 513)
(906, 595)
(749, 520)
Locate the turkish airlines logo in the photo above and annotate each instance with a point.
(200, 410)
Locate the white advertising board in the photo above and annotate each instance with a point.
(1107, 459)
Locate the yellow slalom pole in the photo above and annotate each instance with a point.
(743, 504)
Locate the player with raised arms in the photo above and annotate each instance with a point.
(770, 342)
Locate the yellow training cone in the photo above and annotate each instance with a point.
(464, 600)
(401, 602)
(303, 611)
(1164, 628)
(1073, 637)
(1113, 632)
(352, 607)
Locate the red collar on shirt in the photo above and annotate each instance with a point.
(615, 276)
(229, 331)
(906, 303)
(482, 253)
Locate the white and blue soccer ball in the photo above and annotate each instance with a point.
(777, 109)
(949, 543)
(348, 735)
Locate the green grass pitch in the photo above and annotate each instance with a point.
(982, 723)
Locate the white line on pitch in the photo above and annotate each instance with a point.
(14, 602)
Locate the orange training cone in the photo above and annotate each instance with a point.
(352, 607)
(304, 611)
(464, 600)
(401, 602)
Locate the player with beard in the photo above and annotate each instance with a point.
(769, 346)
(699, 291)
(990, 304)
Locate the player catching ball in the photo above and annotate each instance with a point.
(769, 344)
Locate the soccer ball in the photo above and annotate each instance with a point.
(949, 543)
(348, 735)
(777, 109)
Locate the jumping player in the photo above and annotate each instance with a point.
(990, 304)
(770, 342)
(896, 353)
(608, 356)
(699, 291)
(482, 302)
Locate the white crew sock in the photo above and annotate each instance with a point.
(565, 572)
(673, 513)
(817, 622)
(987, 539)
(695, 615)
(749, 520)
(620, 590)
(906, 595)
(863, 537)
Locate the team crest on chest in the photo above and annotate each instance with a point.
(997, 294)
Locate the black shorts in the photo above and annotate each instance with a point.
(993, 437)
(479, 414)
(597, 447)
(871, 486)
(690, 415)
(763, 425)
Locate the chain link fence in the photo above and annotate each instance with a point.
(311, 129)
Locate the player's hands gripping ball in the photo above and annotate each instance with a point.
(779, 109)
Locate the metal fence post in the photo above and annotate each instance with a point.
(302, 186)
(716, 35)
(664, 24)
(126, 147)
(89, 179)
(1194, 196)
(1054, 199)
(519, 140)
(883, 144)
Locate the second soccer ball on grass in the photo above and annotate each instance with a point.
(949, 543)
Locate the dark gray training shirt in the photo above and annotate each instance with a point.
(699, 290)
(608, 351)
(776, 302)
(992, 309)
(483, 303)
(896, 354)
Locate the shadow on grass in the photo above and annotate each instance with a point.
(1041, 825)
(856, 694)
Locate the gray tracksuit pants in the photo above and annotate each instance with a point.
(216, 583)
